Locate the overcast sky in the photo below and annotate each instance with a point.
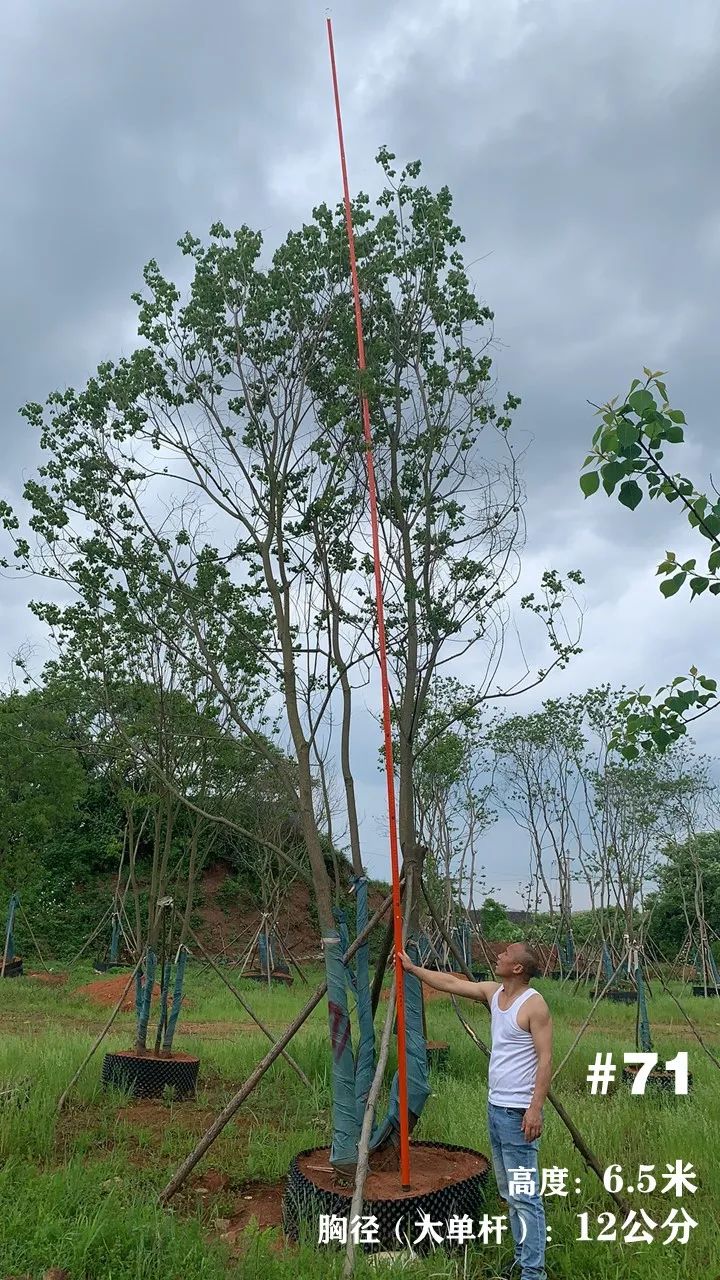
(580, 142)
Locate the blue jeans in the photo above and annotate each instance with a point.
(510, 1151)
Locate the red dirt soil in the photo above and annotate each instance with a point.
(151, 1113)
(295, 926)
(431, 1168)
(51, 979)
(150, 1053)
(228, 930)
(212, 1182)
(259, 1200)
(219, 925)
(106, 992)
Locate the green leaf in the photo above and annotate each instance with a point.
(612, 472)
(714, 560)
(590, 483)
(676, 415)
(707, 683)
(674, 435)
(630, 494)
(672, 585)
(627, 434)
(697, 586)
(663, 391)
(641, 402)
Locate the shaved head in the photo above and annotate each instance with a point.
(524, 955)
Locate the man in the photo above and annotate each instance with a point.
(519, 1080)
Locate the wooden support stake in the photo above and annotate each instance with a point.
(290, 1061)
(101, 1037)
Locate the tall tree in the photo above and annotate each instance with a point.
(211, 485)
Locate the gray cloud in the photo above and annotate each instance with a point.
(579, 141)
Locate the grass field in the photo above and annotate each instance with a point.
(79, 1191)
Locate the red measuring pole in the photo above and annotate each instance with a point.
(382, 653)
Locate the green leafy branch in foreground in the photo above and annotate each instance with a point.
(628, 456)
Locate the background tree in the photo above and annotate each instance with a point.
(452, 801)
(495, 923)
(208, 491)
(689, 868)
(60, 824)
(538, 782)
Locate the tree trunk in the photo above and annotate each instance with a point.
(187, 914)
(321, 879)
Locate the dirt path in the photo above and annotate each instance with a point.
(16, 1023)
(22, 1023)
(672, 1027)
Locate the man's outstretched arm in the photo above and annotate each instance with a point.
(450, 982)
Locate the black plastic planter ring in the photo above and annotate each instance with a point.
(149, 1077)
(397, 1219)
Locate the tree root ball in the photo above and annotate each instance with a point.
(446, 1182)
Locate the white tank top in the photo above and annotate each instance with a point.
(513, 1060)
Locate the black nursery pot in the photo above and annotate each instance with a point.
(148, 1075)
(620, 996)
(397, 1216)
(106, 966)
(277, 975)
(14, 968)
